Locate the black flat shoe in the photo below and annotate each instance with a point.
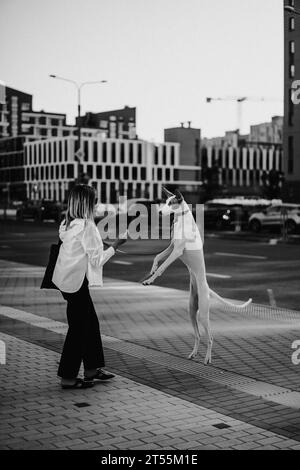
(86, 383)
(102, 375)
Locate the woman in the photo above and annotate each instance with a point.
(79, 265)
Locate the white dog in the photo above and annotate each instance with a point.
(186, 244)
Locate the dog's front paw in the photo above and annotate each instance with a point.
(149, 281)
(192, 355)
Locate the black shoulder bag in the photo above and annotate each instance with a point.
(53, 255)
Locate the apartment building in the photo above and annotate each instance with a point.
(138, 167)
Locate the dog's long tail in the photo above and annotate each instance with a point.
(226, 302)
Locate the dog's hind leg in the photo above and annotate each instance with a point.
(203, 294)
(193, 311)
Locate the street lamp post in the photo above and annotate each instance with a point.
(79, 86)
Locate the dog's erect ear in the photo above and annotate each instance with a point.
(179, 196)
(167, 193)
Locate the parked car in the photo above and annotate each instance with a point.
(222, 216)
(40, 210)
(276, 216)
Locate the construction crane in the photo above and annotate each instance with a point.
(240, 100)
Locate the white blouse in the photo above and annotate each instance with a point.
(81, 254)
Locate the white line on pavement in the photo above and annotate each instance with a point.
(219, 276)
(237, 255)
(125, 263)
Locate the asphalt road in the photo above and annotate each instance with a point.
(237, 269)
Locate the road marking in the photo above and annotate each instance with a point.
(237, 255)
(219, 276)
(125, 263)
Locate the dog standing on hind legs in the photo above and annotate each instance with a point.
(186, 245)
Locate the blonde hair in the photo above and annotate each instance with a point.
(81, 203)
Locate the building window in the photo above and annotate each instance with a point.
(220, 157)
(25, 106)
(138, 191)
(108, 172)
(130, 153)
(292, 47)
(164, 155)
(117, 172)
(86, 151)
(291, 154)
(90, 171)
(234, 159)
(70, 171)
(134, 173)
(143, 173)
(227, 159)
(159, 174)
(103, 192)
(172, 155)
(104, 152)
(125, 172)
(99, 172)
(140, 153)
(57, 172)
(54, 152)
(292, 23)
(113, 152)
(66, 150)
(155, 155)
(95, 152)
(122, 153)
(62, 171)
(292, 71)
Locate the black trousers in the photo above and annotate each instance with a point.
(83, 340)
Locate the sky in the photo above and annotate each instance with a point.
(162, 56)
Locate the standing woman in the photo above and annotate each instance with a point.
(79, 265)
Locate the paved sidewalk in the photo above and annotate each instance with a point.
(249, 398)
(37, 414)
